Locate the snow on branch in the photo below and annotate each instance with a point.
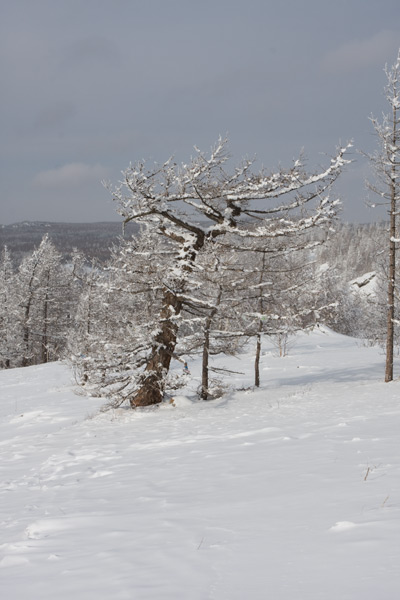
(166, 196)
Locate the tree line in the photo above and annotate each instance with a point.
(103, 317)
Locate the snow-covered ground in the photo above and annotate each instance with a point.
(291, 492)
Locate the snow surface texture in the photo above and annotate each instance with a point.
(291, 492)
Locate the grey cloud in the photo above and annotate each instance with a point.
(88, 87)
(70, 175)
(91, 49)
(359, 54)
(55, 115)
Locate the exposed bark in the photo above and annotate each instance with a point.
(204, 363)
(204, 395)
(153, 381)
(392, 279)
(392, 254)
(257, 360)
(260, 326)
(26, 333)
(386, 164)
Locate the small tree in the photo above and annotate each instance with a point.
(386, 163)
(284, 293)
(212, 320)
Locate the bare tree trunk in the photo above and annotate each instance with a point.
(392, 261)
(260, 326)
(257, 360)
(204, 364)
(206, 348)
(26, 359)
(25, 335)
(157, 368)
(153, 382)
(391, 290)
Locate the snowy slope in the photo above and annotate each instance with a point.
(291, 492)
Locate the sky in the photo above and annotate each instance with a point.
(89, 87)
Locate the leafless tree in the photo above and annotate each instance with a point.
(386, 163)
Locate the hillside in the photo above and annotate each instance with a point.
(288, 492)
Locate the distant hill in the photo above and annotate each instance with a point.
(94, 239)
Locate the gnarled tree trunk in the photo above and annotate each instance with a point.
(153, 380)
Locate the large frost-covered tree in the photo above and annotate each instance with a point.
(386, 164)
(194, 203)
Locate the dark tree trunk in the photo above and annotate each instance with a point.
(206, 348)
(260, 325)
(204, 365)
(153, 381)
(26, 360)
(392, 262)
(391, 292)
(257, 361)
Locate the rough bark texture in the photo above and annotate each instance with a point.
(152, 388)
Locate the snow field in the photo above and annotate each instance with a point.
(288, 492)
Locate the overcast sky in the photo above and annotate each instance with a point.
(88, 86)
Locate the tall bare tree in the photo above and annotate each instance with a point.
(386, 163)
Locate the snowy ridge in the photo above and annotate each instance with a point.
(288, 492)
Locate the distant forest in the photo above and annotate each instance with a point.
(94, 240)
(355, 248)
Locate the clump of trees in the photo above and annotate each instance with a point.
(36, 306)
